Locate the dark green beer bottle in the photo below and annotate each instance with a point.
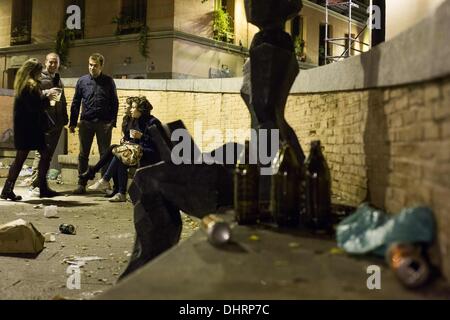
(246, 181)
(318, 189)
(285, 187)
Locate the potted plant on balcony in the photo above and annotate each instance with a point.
(299, 46)
(223, 26)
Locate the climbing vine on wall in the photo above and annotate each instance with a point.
(143, 45)
(64, 40)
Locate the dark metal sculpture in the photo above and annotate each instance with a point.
(160, 191)
(269, 76)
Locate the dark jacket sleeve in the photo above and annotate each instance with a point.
(151, 152)
(64, 105)
(114, 103)
(76, 103)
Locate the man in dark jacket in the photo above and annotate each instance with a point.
(56, 114)
(97, 93)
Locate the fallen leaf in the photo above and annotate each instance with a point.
(337, 251)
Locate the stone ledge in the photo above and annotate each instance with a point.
(6, 92)
(69, 167)
(71, 160)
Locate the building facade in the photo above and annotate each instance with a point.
(155, 39)
(403, 14)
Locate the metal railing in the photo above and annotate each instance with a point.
(345, 6)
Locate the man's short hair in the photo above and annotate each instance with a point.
(98, 57)
(52, 54)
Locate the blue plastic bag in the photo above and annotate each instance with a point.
(370, 230)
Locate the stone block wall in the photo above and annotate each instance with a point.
(6, 113)
(199, 111)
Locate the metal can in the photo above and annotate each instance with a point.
(217, 230)
(408, 264)
(67, 228)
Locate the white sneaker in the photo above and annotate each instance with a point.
(100, 185)
(118, 197)
(35, 192)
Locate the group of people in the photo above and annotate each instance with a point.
(40, 114)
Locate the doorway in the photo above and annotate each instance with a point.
(322, 58)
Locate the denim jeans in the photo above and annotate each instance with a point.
(120, 171)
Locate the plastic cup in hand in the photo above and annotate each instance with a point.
(57, 97)
(134, 133)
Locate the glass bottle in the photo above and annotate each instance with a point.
(246, 180)
(318, 189)
(285, 187)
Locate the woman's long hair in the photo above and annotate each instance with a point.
(143, 105)
(27, 76)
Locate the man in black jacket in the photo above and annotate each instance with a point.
(96, 92)
(56, 113)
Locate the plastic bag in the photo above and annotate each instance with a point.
(52, 174)
(370, 230)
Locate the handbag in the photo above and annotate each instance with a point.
(128, 153)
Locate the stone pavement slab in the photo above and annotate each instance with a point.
(262, 263)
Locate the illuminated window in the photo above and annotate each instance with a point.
(133, 15)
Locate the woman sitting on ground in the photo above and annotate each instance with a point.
(136, 129)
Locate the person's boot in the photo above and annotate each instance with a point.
(45, 191)
(8, 193)
(88, 175)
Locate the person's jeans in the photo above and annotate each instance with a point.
(51, 140)
(117, 169)
(21, 156)
(87, 130)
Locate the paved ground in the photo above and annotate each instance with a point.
(104, 230)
